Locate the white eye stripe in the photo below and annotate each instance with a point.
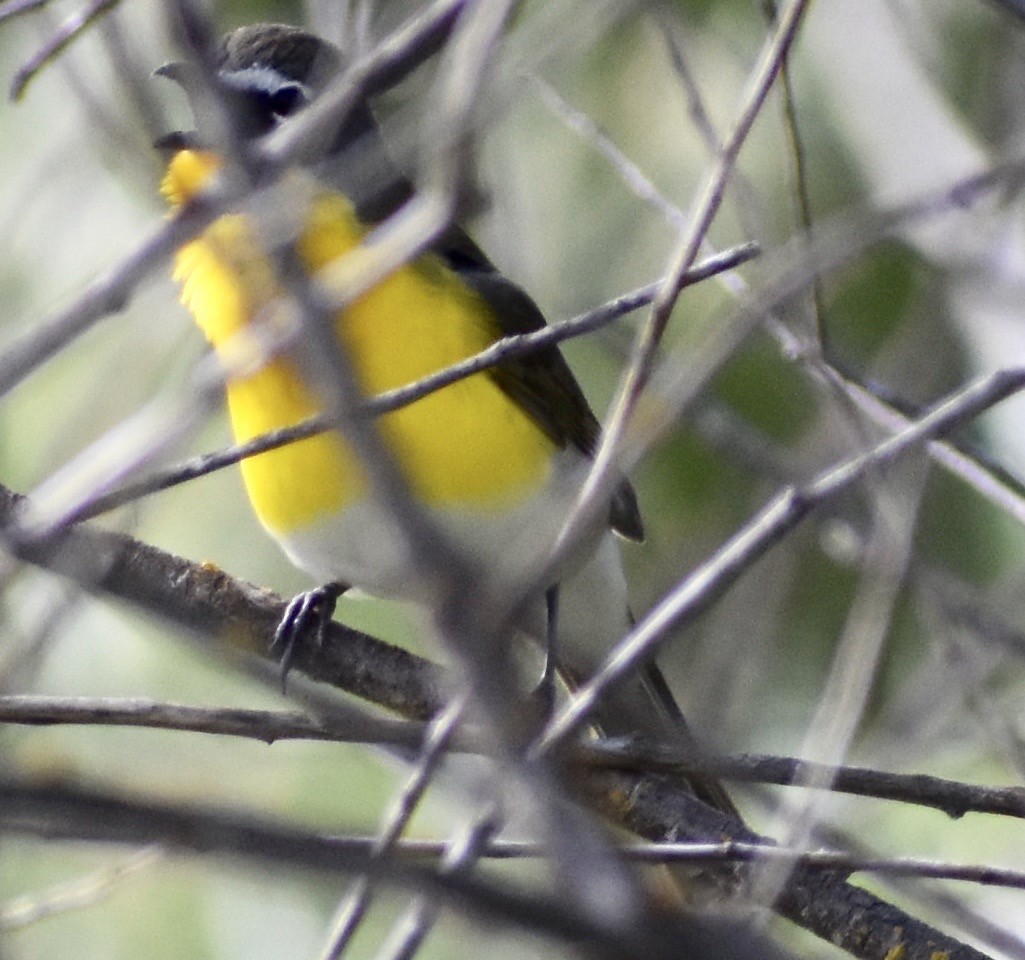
(265, 80)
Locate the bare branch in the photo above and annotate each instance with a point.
(107, 294)
(69, 31)
(353, 908)
(268, 726)
(700, 217)
(990, 482)
(708, 582)
(820, 901)
(949, 796)
(501, 351)
(733, 851)
(75, 894)
(799, 177)
(631, 174)
(209, 602)
(460, 854)
(69, 813)
(15, 8)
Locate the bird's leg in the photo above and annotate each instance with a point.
(306, 617)
(544, 692)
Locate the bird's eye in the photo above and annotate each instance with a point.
(285, 100)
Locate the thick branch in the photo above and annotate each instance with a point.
(75, 813)
(209, 602)
(821, 901)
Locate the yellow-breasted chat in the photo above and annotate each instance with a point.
(494, 458)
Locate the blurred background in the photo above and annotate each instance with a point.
(892, 99)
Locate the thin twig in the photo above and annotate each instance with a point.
(699, 218)
(75, 894)
(799, 176)
(746, 200)
(630, 173)
(353, 908)
(735, 851)
(107, 294)
(268, 726)
(952, 797)
(852, 672)
(990, 482)
(15, 8)
(460, 854)
(708, 582)
(501, 351)
(59, 41)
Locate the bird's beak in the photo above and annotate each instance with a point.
(177, 140)
(183, 74)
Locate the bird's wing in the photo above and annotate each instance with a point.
(542, 382)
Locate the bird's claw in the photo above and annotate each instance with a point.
(306, 617)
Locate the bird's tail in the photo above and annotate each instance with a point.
(593, 616)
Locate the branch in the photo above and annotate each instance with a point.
(351, 911)
(15, 8)
(701, 588)
(735, 852)
(76, 813)
(78, 894)
(503, 350)
(988, 480)
(267, 726)
(951, 797)
(699, 219)
(209, 602)
(821, 901)
(58, 41)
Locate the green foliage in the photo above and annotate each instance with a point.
(559, 217)
(870, 302)
(768, 392)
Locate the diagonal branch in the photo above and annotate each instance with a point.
(700, 218)
(696, 593)
(506, 349)
(209, 603)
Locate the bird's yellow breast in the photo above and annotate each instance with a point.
(467, 445)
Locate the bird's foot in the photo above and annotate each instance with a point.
(306, 618)
(542, 697)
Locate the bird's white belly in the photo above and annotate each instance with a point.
(360, 545)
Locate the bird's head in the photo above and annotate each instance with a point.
(264, 74)
(267, 73)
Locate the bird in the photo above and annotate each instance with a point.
(494, 459)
